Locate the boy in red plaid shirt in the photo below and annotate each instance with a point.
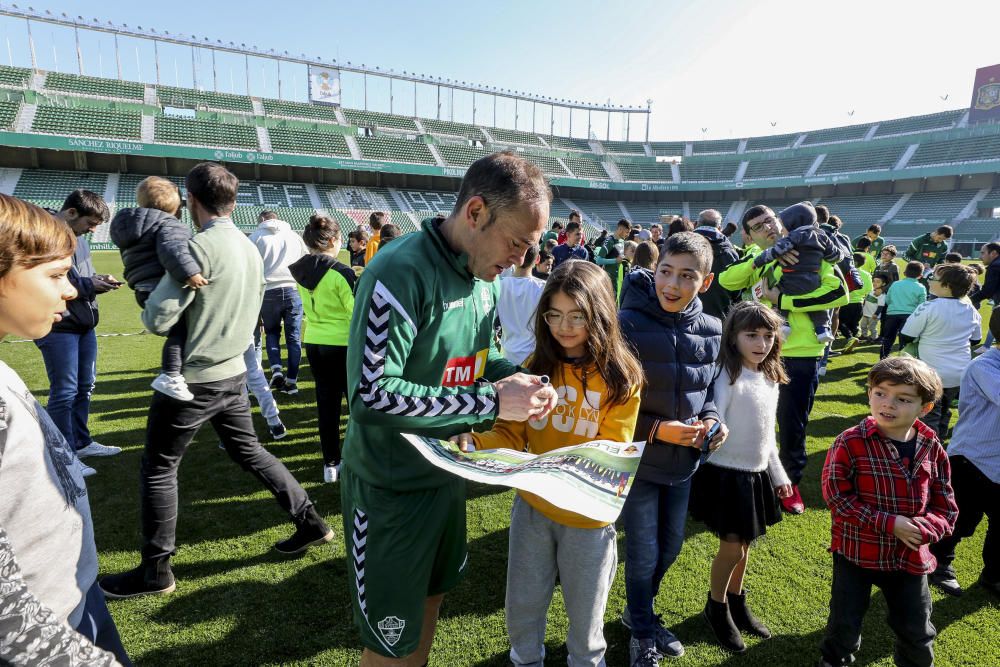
(887, 482)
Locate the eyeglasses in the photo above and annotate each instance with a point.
(768, 222)
(933, 279)
(554, 319)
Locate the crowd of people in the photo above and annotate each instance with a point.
(490, 330)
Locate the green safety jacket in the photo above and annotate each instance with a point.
(420, 358)
(924, 249)
(832, 293)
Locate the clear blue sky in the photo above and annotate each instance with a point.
(731, 67)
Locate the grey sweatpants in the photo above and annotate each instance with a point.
(585, 559)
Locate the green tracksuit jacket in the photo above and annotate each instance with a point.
(924, 249)
(419, 357)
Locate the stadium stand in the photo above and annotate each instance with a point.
(514, 137)
(872, 159)
(379, 119)
(646, 212)
(935, 121)
(715, 146)
(88, 121)
(289, 140)
(941, 207)
(858, 212)
(669, 148)
(384, 147)
(549, 165)
(979, 230)
(428, 203)
(708, 171)
(92, 86)
(451, 129)
(284, 109)
(624, 147)
(585, 167)
(645, 171)
(460, 155)
(779, 168)
(50, 188)
(771, 143)
(8, 113)
(601, 212)
(970, 149)
(14, 77)
(186, 97)
(204, 132)
(568, 144)
(836, 134)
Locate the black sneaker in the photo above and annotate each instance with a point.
(277, 380)
(309, 532)
(278, 431)
(146, 579)
(290, 387)
(991, 586)
(946, 582)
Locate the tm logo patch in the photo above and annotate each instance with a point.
(464, 371)
(391, 628)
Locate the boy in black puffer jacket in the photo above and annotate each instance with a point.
(153, 241)
(677, 345)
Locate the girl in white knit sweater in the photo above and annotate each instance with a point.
(735, 494)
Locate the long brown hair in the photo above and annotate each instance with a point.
(606, 351)
(30, 236)
(750, 316)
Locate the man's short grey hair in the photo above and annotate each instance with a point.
(505, 181)
(710, 218)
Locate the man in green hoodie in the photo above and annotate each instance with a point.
(422, 359)
(801, 350)
(929, 249)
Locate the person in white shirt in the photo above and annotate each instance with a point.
(280, 247)
(871, 309)
(945, 329)
(519, 295)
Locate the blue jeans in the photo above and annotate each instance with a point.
(98, 626)
(71, 364)
(654, 533)
(283, 305)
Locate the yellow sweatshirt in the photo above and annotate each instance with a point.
(576, 419)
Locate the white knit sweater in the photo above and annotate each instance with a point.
(748, 409)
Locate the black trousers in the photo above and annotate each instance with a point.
(329, 369)
(795, 402)
(171, 427)
(891, 326)
(976, 495)
(850, 318)
(909, 602)
(940, 415)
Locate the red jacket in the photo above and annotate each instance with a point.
(866, 486)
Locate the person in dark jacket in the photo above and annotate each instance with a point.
(70, 350)
(572, 248)
(153, 241)
(327, 290)
(990, 256)
(717, 300)
(677, 344)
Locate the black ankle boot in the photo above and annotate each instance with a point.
(717, 615)
(310, 530)
(152, 577)
(744, 618)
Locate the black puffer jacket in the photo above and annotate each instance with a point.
(678, 352)
(717, 300)
(152, 242)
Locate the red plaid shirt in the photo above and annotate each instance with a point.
(865, 486)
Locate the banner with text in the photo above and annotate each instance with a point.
(324, 85)
(986, 96)
(592, 479)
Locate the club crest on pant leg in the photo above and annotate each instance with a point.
(391, 628)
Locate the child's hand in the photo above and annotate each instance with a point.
(196, 281)
(719, 437)
(783, 491)
(464, 441)
(907, 532)
(679, 433)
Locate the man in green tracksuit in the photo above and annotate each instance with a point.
(422, 359)
(874, 235)
(801, 350)
(611, 253)
(930, 248)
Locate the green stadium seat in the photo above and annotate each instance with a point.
(188, 97)
(941, 207)
(715, 146)
(648, 212)
(836, 134)
(505, 136)
(870, 159)
(979, 230)
(14, 77)
(771, 143)
(971, 149)
(378, 119)
(646, 171)
(88, 121)
(568, 144)
(429, 202)
(585, 167)
(204, 132)
(669, 148)
(625, 147)
(8, 114)
(935, 121)
(289, 140)
(460, 155)
(452, 129)
(549, 165)
(94, 86)
(299, 110)
(604, 213)
(860, 211)
(383, 147)
(708, 171)
(48, 188)
(779, 168)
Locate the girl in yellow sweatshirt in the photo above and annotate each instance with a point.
(598, 379)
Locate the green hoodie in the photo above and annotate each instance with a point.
(832, 293)
(420, 359)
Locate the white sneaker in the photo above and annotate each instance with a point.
(97, 449)
(331, 473)
(175, 387)
(87, 470)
